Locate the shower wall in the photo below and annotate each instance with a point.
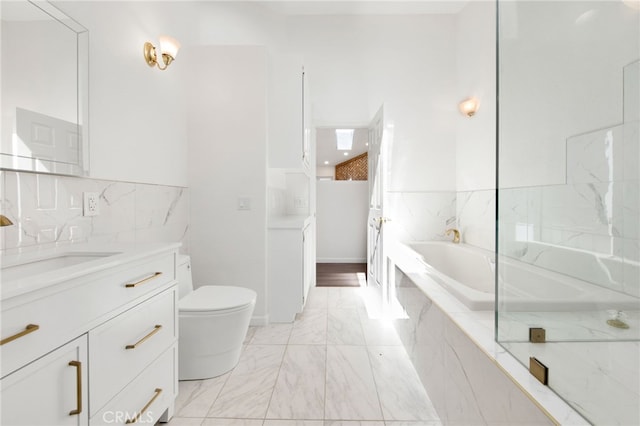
(569, 199)
(588, 227)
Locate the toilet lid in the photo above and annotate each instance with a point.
(216, 298)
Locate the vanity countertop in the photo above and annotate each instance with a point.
(34, 269)
(289, 222)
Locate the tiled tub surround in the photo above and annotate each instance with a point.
(423, 216)
(47, 210)
(470, 378)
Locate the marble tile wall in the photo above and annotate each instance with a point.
(420, 216)
(595, 216)
(47, 209)
(476, 212)
(465, 385)
(423, 216)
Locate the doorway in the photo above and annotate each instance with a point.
(341, 205)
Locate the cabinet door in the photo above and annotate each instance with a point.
(286, 122)
(307, 260)
(49, 391)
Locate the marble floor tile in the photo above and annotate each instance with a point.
(379, 332)
(248, 389)
(401, 393)
(250, 333)
(272, 334)
(299, 390)
(232, 422)
(310, 328)
(344, 327)
(293, 423)
(317, 298)
(184, 421)
(346, 297)
(350, 388)
(195, 397)
(334, 366)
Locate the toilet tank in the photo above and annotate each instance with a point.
(185, 284)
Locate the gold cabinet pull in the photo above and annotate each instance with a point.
(157, 393)
(141, 341)
(144, 280)
(28, 329)
(78, 366)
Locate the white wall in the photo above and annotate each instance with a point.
(357, 63)
(342, 221)
(476, 136)
(560, 75)
(326, 171)
(476, 76)
(137, 126)
(138, 114)
(227, 123)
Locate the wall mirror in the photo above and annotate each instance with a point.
(44, 95)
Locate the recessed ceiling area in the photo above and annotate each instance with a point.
(327, 152)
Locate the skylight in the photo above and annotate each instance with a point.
(344, 139)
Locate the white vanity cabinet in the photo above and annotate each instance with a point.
(50, 390)
(119, 315)
(289, 267)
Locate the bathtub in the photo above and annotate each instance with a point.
(464, 271)
(468, 273)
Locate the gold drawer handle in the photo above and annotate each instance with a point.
(131, 285)
(141, 341)
(78, 366)
(28, 329)
(157, 393)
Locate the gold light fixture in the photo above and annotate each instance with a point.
(469, 106)
(168, 46)
(4, 221)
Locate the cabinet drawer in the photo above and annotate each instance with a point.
(148, 395)
(72, 309)
(121, 348)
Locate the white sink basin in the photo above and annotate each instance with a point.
(48, 264)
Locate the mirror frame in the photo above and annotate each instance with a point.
(19, 163)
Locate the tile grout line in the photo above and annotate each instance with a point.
(275, 383)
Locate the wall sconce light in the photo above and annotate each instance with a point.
(168, 46)
(469, 106)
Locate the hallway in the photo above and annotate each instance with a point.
(334, 366)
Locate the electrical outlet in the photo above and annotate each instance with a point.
(299, 202)
(90, 206)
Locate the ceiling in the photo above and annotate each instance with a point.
(365, 7)
(326, 146)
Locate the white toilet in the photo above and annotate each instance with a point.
(213, 324)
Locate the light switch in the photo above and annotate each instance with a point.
(244, 203)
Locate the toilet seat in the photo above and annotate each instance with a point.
(216, 298)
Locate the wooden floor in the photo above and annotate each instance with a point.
(341, 274)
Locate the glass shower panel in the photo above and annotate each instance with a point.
(568, 228)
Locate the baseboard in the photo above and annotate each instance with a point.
(259, 321)
(341, 260)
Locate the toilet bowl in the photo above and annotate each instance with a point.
(213, 322)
